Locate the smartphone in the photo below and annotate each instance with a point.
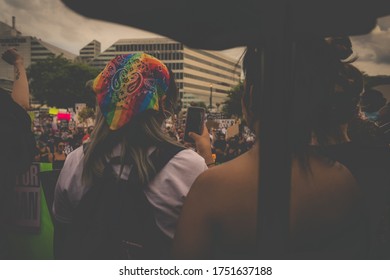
(194, 122)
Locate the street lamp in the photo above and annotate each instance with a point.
(211, 96)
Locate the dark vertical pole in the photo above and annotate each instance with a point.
(211, 96)
(275, 154)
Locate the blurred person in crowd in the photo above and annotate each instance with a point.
(44, 154)
(373, 105)
(59, 155)
(220, 147)
(371, 101)
(232, 148)
(87, 134)
(365, 128)
(18, 144)
(338, 188)
(127, 143)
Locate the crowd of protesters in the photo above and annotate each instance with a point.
(59, 139)
(224, 148)
(56, 140)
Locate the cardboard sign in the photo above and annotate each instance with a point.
(28, 200)
(232, 131)
(211, 124)
(53, 111)
(226, 123)
(216, 115)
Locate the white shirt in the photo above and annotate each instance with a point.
(177, 176)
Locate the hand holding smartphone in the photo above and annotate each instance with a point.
(194, 122)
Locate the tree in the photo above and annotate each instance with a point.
(232, 106)
(373, 81)
(85, 114)
(199, 104)
(59, 82)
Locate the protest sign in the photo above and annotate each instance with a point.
(216, 115)
(232, 131)
(53, 111)
(28, 200)
(225, 123)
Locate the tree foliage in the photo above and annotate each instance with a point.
(232, 106)
(373, 81)
(59, 82)
(199, 104)
(85, 114)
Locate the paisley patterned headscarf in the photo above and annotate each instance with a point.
(128, 85)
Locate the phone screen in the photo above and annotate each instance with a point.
(194, 122)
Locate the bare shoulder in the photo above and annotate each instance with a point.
(227, 188)
(230, 175)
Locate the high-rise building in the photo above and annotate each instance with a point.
(32, 49)
(201, 76)
(90, 51)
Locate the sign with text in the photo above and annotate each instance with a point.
(215, 116)
(225, 123)
(28, 200)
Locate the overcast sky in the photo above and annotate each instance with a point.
(51, 21)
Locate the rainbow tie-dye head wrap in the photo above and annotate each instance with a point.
(129, 85)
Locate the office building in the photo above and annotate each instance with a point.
(32, 49)
(90, 51)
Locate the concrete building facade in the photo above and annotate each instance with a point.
(199, 74)
(32, 49)
(90, 51)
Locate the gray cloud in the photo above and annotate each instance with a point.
(375, 46)
(21, 4)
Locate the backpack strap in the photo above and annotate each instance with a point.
(163, 154)
(146, 240)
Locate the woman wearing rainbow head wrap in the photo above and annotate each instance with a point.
(134, 93)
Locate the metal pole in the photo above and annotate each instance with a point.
(211, 97)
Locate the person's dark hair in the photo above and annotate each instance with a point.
(57, 143)
(340, 106)
(330, 85)
(372, 100)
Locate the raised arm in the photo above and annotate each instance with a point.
(20, 91)
(203, 146)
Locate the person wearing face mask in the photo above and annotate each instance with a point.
(59, 156)
(371, 101)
